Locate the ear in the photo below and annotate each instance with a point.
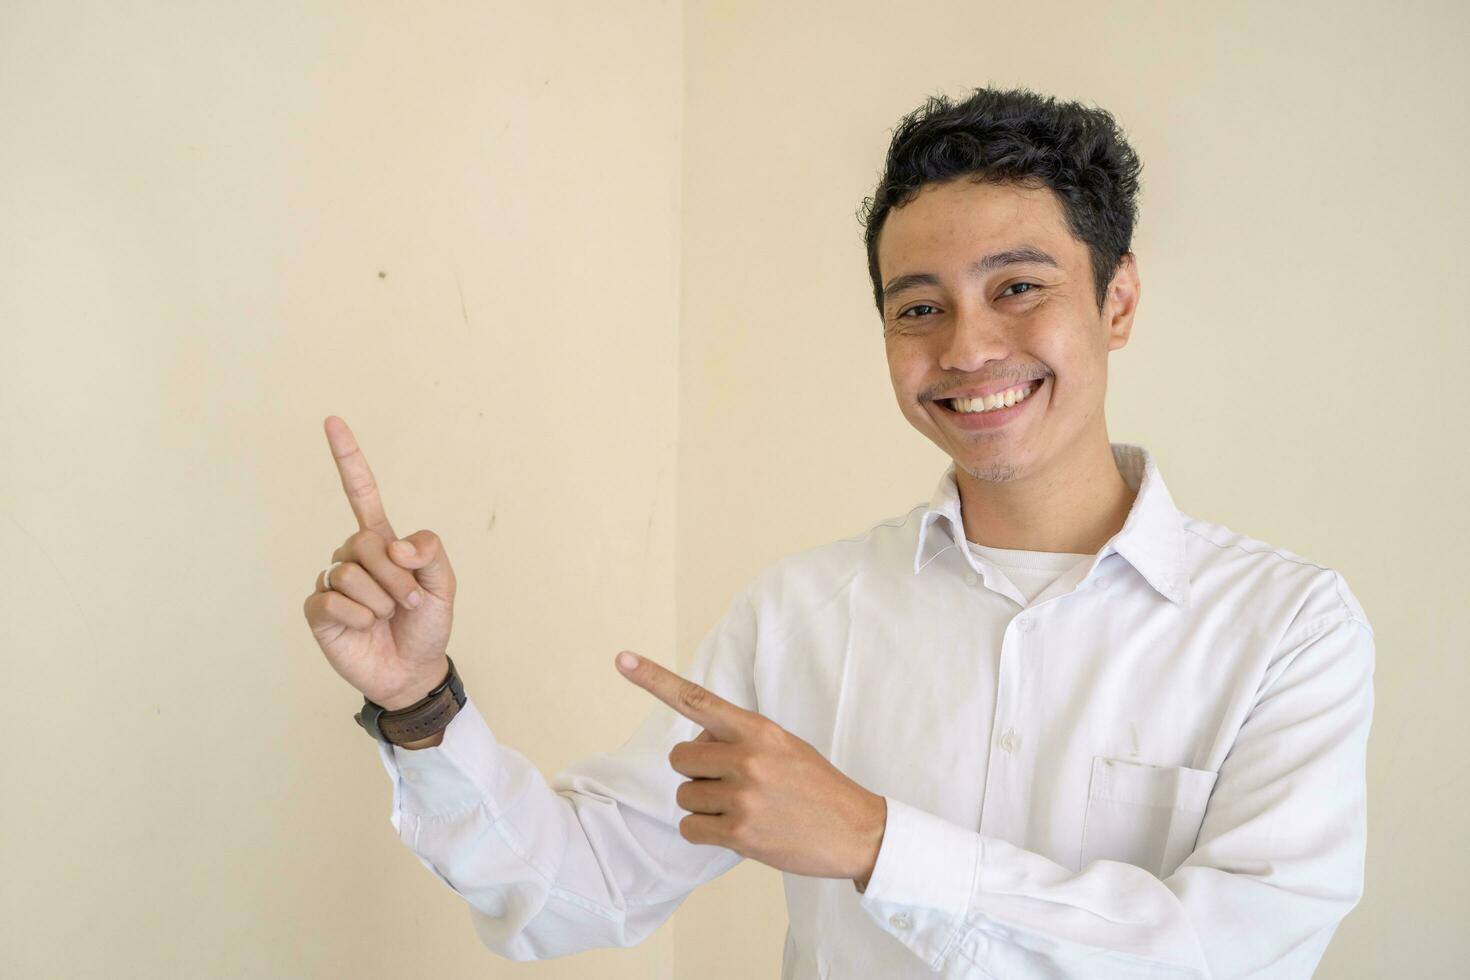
(1122, 301)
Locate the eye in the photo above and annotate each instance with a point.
(921, 306)
(1034, 287)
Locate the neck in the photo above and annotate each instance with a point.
(1074, 507)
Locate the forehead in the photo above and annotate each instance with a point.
(956, 221)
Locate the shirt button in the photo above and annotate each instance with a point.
(1010, 741)
(1102, 583)
(971, 578)
(1025, 624)
(899, 921)
(411, 775)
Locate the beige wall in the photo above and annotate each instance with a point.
(197, 205)
(651, 207)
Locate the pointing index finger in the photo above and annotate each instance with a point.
(357, 478)
(721, 718)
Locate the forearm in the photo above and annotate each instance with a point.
(592, 859)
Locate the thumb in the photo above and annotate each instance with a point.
(423, 553)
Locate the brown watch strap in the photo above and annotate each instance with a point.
(418, 721)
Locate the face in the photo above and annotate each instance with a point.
(1027, 317)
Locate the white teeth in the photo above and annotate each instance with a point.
(987, 403)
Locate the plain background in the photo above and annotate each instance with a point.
(587, 281)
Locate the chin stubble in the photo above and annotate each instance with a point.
(994, 473)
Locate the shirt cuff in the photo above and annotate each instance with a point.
(923, 880)
(450, 777)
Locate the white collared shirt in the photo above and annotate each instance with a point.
(1153, 767)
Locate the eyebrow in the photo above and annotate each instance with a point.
(978, 268)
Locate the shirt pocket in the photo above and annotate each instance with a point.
(1143, 814)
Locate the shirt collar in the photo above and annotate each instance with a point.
(1151, 539)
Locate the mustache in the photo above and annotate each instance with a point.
(1010, 381)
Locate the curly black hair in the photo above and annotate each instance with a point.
(1016, 135)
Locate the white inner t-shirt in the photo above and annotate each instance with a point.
(1029, 571)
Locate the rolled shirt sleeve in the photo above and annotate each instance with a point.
(592, 859)
(1278, 863)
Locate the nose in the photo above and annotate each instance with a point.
(973, 337)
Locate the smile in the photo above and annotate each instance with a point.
(991, 410)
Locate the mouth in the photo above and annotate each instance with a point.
(987, 418)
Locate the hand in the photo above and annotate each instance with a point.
(372, 636)
(763, 792)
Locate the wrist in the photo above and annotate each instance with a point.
(415, 692)
(872, 841)
(419, 724)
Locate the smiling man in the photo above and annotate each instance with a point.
(997, 345)
(1043, 724)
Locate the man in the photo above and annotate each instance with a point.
(1042, 725)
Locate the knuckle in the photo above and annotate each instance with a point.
(332, 606)
(691, 695)
(360, 485)
(768, 742)
(346, 611)
(366, 542)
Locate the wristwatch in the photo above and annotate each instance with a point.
(430, 714)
